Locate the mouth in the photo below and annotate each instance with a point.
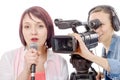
(34, 39)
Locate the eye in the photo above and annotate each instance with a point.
(26, 26)
(40, 26)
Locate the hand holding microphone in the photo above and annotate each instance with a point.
(33, 66)
(31, 57)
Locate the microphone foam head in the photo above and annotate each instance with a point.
(34, 46)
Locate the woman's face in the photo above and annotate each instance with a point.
(34, 30)
(105, 31)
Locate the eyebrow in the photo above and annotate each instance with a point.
(34, 21)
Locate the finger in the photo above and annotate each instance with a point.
(32, 60)
(77, 36)
(30, 56)
(33, 50)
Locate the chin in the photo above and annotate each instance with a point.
(99, 40)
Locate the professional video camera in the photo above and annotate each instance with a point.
(68, 44)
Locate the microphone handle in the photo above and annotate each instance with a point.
(32, 78)
(33, 70)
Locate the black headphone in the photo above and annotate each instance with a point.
(114, 18)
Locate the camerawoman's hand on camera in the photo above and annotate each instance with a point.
(84, 52)
(82, 49)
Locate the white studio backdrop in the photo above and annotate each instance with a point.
(11, 11)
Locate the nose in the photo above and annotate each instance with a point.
(34, 31)
(96, 30)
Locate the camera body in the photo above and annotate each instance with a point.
(68, 44)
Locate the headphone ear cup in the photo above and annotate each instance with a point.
(115, 23)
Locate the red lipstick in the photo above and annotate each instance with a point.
(34, 39)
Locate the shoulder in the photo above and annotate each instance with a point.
(116, 39)
(11, 53)
(116, 36)
(57, 60)
(55, 56)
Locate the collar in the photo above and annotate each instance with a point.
(113, 43)
(112, 46)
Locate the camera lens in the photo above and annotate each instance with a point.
(63, 44)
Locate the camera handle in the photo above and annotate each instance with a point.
(74, 30)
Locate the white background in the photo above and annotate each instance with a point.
(11, 10)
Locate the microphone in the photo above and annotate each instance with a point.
(64, 24)
(33, 66)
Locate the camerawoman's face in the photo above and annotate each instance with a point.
(34, 30)
(105, 31)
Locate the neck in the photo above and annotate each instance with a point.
(42, 50)
(107, 44)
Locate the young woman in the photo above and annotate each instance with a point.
(110, 61)
(36, 27)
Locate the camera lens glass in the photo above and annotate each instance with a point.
(64, 44)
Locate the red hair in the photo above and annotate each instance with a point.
(42, 14)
